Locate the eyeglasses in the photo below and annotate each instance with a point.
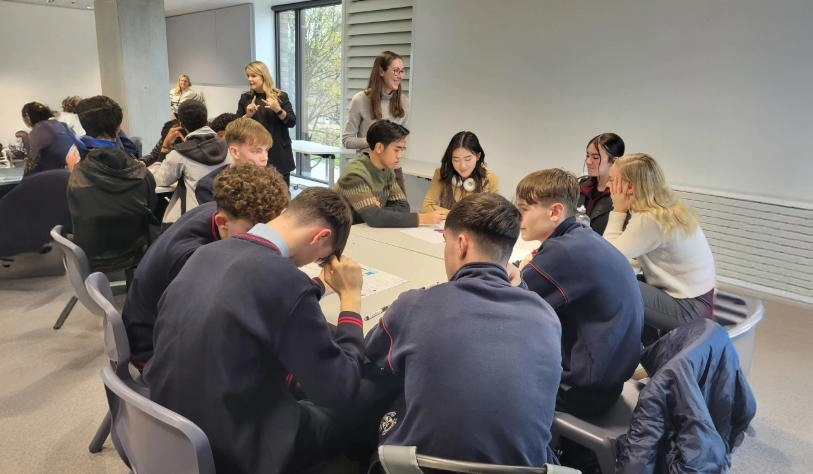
(462, 159)
(398, 72)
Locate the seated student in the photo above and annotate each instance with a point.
(244, 196)
(369, 184)
(248, 143)
(479, 359)
(602, 151)
(50, 139)
(199, 154)
(240, 321)
(591, 287)
(222, 121)
(110, 193)
(462, 172)
(664, 234)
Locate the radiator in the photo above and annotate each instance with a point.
(761, 244)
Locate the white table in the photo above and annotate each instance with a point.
(398, 239)
(325, 151)
(417, 268)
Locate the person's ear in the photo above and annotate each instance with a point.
(321, 235)
(379, 148)
(556, 212)
(221, 222)
(233, 151)
(463, 244)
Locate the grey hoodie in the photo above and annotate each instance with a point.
(191, 160)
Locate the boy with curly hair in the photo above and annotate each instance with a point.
(244, 196)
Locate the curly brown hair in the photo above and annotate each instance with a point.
(251, 192)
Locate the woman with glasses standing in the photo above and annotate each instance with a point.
(381, 100)
(602, 151)
(462, 172)
(272, 108)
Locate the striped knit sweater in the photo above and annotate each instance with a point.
(375, 196)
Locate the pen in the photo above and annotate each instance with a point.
(376, 313)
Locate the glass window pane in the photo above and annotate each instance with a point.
(321, 31)
(286, 28)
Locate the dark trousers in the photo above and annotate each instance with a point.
(581, 402)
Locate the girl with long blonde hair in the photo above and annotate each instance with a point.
(664, 234)
(271, 107)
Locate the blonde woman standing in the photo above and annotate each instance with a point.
(183, 91)
(383, 99)
(271, 107)
(664, 234)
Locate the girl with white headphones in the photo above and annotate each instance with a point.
(462, 172)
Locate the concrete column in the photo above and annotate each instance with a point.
(132, 43)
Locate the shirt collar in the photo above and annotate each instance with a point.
(264, 231)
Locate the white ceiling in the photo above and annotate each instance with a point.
(171, 7)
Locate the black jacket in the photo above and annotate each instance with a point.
(110, 197)
(695, 409)
(279, 155)
(598, 204)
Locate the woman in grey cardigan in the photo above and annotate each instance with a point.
(381, 100)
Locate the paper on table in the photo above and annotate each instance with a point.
(522, 249)
(374, 280)
(431, 234)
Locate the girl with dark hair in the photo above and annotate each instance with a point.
(462, 172)
(602, 151)
(50, 141)
(381, 100)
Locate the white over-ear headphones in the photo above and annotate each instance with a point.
(467, 184)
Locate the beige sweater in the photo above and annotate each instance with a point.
(359, 119)
(431, 201)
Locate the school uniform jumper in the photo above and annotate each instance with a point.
(237, 324)
(159, 266)
(480, 362)
(595, 294)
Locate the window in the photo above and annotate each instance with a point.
(309, 68)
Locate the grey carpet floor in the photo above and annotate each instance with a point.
(52, 399)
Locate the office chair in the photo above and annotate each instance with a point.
(405, 460)
(155, 440)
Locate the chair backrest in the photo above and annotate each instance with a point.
(77, 267)
(697, 387)
(32, 209)
(406, 460)
(155, 439)
(116, 344)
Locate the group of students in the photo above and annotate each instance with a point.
(230, 334)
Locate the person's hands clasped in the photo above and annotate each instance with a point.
(621, 194)
(344, 276)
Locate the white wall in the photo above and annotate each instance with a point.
(47, 54)
(718, 92)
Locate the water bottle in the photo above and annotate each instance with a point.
(582, 217)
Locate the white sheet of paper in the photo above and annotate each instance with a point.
(431, 234)
(374, 280)
(522, 249)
